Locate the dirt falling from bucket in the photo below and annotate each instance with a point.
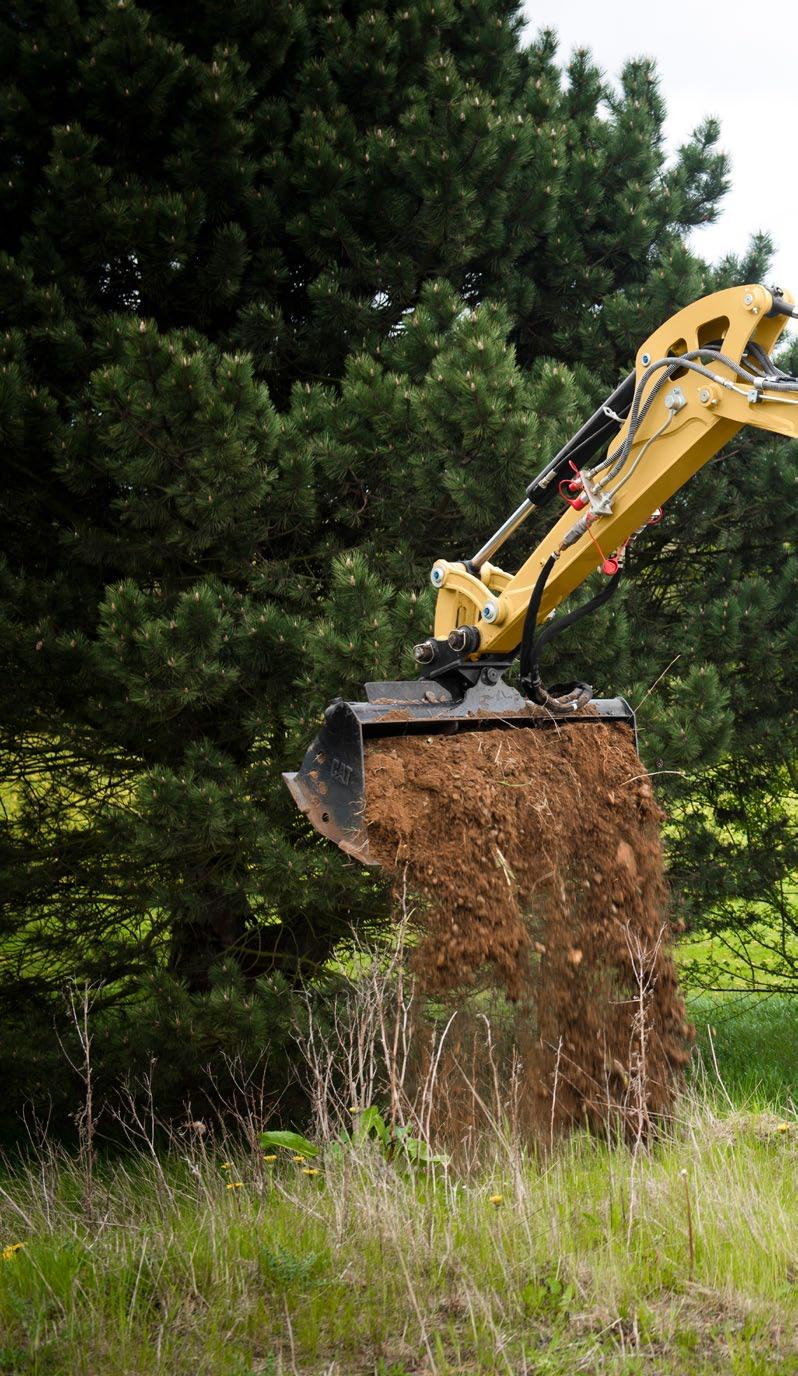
(538, 858)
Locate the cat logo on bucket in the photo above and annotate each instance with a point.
(340, 771)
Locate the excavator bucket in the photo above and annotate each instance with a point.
(330, 785)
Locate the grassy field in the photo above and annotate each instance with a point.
(753, 1039)
(679, 1258)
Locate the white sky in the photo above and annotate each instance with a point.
(734, 60)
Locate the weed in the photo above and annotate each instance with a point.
(285, 1269)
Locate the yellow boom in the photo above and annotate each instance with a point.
(689, 400)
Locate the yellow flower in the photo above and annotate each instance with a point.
(11, 1250)
(228, 1166)
(310, 1170)
(784, 1127)
(355, 1109)
(298, 1159)
(270, 1158)
(233, 1185)
(496, 1200)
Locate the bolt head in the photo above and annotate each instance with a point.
(748, 298)
(436, 577)
(489, 611)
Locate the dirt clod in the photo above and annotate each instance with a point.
(538, 855)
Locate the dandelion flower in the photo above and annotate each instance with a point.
(310, 1170)
(227, 1166)
(496, 1200)
(233, 1185)
(299, 1159)
(11, 1250)
(355, 1108)
(270, 1158)
(784, 1127)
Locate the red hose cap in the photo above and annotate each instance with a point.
(610, 566)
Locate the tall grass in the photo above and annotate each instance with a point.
(678, 1255)
(754, 1040)
(682, 1259)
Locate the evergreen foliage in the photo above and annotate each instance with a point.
(297, 296)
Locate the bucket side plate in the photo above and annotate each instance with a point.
(329, 786)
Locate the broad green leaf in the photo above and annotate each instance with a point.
(371, 1122)
(291, 1141)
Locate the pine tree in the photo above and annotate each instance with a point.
(296, 297)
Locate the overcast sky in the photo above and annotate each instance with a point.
(732, 60)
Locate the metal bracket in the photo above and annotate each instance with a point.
(675, 399)
(599, 502)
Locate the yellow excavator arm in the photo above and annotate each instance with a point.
(698, 379)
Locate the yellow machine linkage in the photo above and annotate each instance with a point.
(695, 410)
(698, 379)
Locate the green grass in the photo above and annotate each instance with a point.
(750, 1038)
(598, 1259)
(586, 1265)
(755, 1042)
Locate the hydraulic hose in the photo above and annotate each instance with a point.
(561, 623)
(578, 694)
(530, 620)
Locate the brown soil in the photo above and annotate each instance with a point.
(538, 854)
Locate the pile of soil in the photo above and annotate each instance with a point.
(537, 855)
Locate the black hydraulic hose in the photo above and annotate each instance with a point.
(530, 620)
(561, 623)
(579, 693)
